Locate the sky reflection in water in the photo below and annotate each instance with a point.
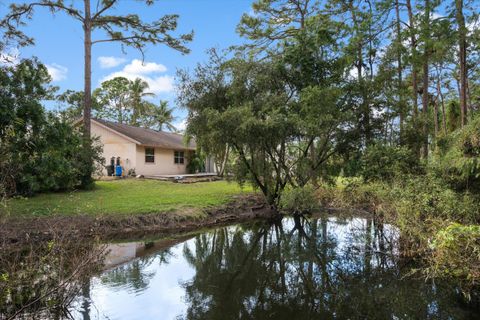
(326, 267)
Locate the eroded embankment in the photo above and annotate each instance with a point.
(18, 231)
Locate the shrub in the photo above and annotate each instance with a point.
(299, 200)
(39, 151)
(456, 253)
(42, 280)
(457, 158)
(196, 163)
(384, 163)
(414, 204)
(54, 159)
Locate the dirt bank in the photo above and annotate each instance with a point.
(19, 231)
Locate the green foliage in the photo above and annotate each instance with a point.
(73, 100)
(282, 126)
(456, 253)
(453, 116)
(114, 99)
(418, 204)
(158, 117)
(128, 29)
(412, 137)
(40, 152)
(457, 158)
(44, 278)
(123, 101)
(354, 193)
(299, 200)
(411, 201)
(137, 92)
(196, 162)
(58, 159)
(384, 163)
(437, 224)
(71, 105)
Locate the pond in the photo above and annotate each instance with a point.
(322, 267)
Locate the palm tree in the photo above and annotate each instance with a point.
(162, 116)
(137, 92)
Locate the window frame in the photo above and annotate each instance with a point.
(178, 157)
(149, 155)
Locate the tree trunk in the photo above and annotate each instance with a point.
(364, 107)
(399, 70)
(413, 43)
(135, 114)
(469, 98)
(444, 116)
(120, 111)
(462, 44)
(435, 116)
(367, 93)
(426, 57)
(87, 106)
(224, 161)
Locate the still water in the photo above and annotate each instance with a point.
(325, 267)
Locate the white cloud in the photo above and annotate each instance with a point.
(157, 84)
(57, 72)
(10, 58)
(160, 84)
(148, 72)
(181, 125)
(139, 67)
(353, 73)
(110, 62)
(472, 26)
(436, 15)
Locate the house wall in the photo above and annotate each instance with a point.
(164, 162)
(132, 156)
(114, 145)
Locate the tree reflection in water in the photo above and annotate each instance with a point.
(303, 268)
(307, 269)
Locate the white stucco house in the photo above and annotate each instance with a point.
(148, 152)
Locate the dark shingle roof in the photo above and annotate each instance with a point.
(150, 137)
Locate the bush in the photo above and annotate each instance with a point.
(414, 204)
(196, 163)
(299, 200)
(457, 158)
(385, 163)
(456, 253)
(54, 159)
(39, 152)
(41, 281)
(429, 197)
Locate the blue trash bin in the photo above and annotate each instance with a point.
(118, 171)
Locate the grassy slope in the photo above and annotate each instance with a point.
(129, 197)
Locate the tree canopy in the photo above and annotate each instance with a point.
(283, 115)
(322, 87)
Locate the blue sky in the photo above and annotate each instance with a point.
(59, 43)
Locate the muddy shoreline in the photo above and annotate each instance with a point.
(21, 231)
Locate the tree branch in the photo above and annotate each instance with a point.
(99, 12)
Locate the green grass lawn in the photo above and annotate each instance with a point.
(129, 197)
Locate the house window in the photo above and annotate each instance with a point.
(150, 155)
(179, 157)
